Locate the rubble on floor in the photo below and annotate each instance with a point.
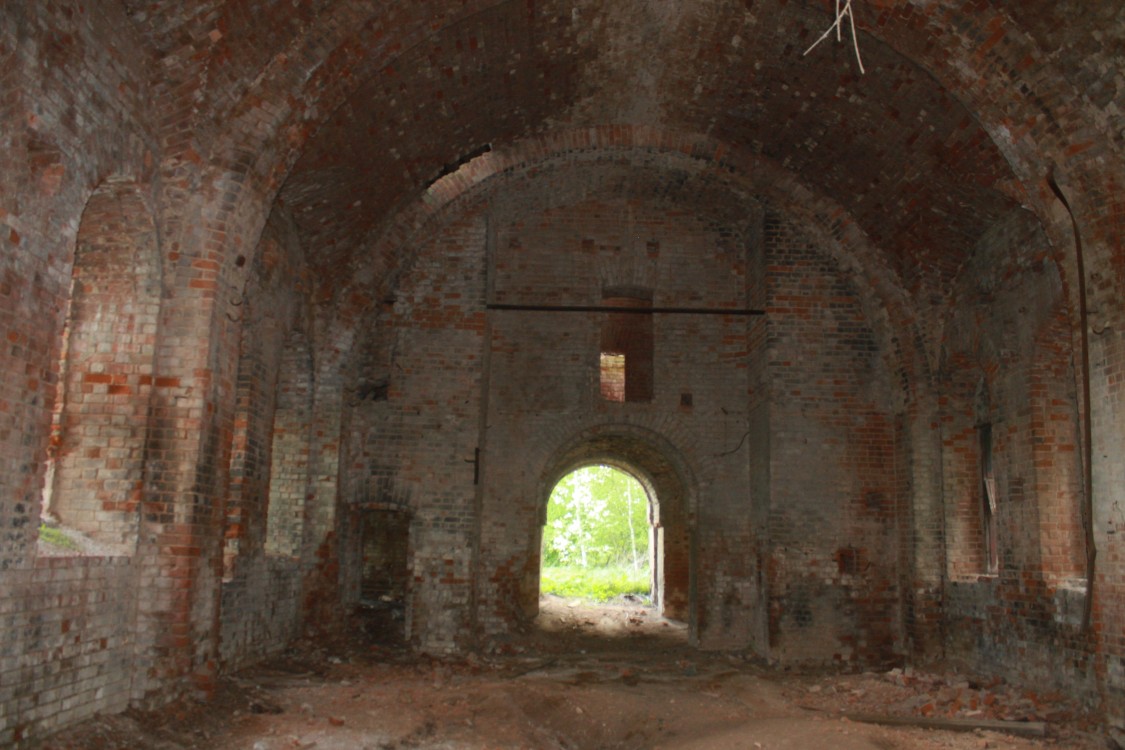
(908, 692)
(616, 678)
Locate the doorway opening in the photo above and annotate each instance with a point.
(598, 540)
(662, 501)
(385, 578)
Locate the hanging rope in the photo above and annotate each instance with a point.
(843, 10)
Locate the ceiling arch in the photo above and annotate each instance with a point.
(906, 159)
(697, 175)
(346, 112)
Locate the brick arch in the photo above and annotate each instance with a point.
(269, 154)
(1010, 364)
(318, 77)
(99, 428)
(749, 179)
(1033, 125)
(663, 471)
(261, 141)
(258, 146)
(750, 182)
(267, 127)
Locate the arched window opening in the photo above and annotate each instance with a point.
(598, 537)
(95, 467)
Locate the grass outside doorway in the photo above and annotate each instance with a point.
(595, 584)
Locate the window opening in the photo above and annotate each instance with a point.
(627, 349)
(94, 467)
(988, 500)
(613, 376)
(597, 539)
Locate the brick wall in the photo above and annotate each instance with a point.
(723, 442)
(418, 445)
(76, 170)
(67, 651)
(261, 610)
(920, 306)
(833, 533)
(544, 390)
(1009, 364)
(1108, 357)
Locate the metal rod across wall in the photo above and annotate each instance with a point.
(618, 309)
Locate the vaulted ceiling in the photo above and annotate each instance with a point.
(394, 95)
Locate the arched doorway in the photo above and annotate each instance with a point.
(597, 540)
(647, 458)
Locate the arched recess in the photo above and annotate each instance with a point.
(250, 441)
(271, 309)
(663, 473)
(95, 473)
(290, 455)
(1011, 419)
(971, 412)
(1012, 471)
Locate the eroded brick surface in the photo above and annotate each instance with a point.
(247, 259)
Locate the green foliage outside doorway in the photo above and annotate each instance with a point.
(596, 539)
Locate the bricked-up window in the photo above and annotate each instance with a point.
(289, 456)
(95, 469)
(626, 348)
(988, 499)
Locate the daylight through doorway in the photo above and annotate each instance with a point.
(598, 538)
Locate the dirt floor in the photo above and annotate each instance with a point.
(585, 678)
